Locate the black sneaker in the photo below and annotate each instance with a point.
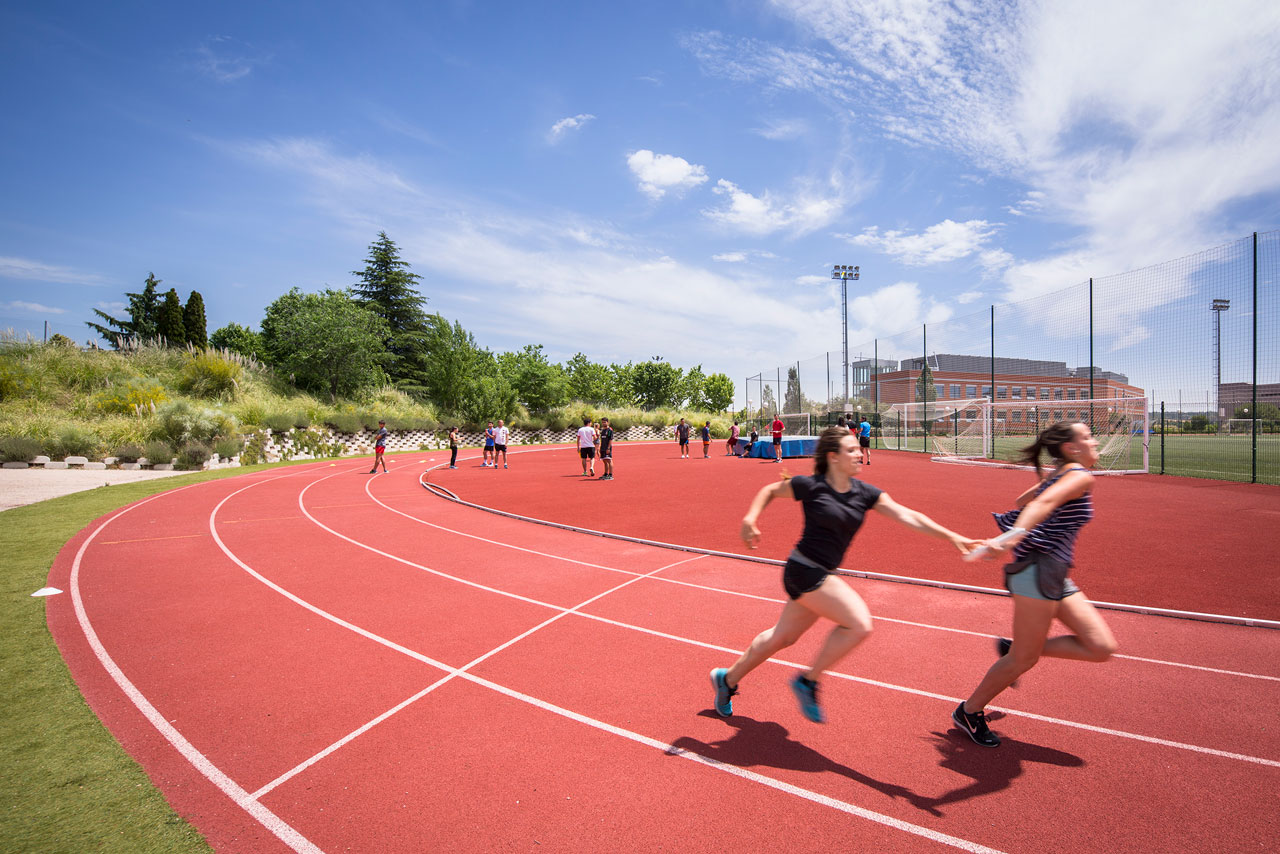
(975, 726)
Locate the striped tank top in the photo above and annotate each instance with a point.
(1055, 536)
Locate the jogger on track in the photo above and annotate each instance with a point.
(1047, 518)
(834, 502)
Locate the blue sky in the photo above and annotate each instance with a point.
(666, 179)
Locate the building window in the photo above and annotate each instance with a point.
(1044, 393)
(955, 391)
(1017, 392)
(1071, 394)
(986, 391)
(971, 390)
(1002, 392)
(1017, 416)
(971, 414)
(1057, 394)
(1031, 393)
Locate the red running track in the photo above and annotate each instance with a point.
(316, 659)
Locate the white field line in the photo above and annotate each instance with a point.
(753, 776)
(272, 822)
(464, 668)
(893, 687)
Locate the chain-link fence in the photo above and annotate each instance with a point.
(1195, 336)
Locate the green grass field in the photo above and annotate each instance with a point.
(1215, 457)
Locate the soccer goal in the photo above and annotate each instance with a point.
(922, 426)
(797, 423)
(994, 432)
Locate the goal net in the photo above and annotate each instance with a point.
(920, 426)
(995, 432)
(797, 423)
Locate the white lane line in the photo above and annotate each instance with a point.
(729, 556)
(756, 777)
(281, 829)
(902, 688)
(424, 692)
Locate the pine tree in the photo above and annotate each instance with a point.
(193, 321)
(144, 316)
(389, 290)
(170, 326)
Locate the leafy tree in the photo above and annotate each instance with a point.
(238, 339)
(454, 365)
(588, 381)
(718, 392)
(691, 388)
(326, 341)
(57, 339)
(768, 404)
(621, 389)
(656, 383)
(194, 322)
(389, 290)
(926, 393)
(144, 316)
(1266, 412)
(489, 398)
(170, 326)
(539, 385)
(792, 401)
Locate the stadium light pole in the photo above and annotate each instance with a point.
(1218, 307)
(845, 274)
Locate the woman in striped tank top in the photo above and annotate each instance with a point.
(1046, 520)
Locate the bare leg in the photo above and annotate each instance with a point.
(1092, 640)
(1031, 621)
(795, 620)
(837, 601)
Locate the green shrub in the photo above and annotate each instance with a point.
(192, 455)
(534, 422)
(301, 420)
(15, 380)
(129, 453)
(370, 420)
(179, 422)
(254, 451)
(621, 422)
(345, 422)
(18, 449)
(210, 374)
(252, 415)
(559, 420)
(158, 452)
(135, 396)
(74, 441)
(279, 422)
(227, 447)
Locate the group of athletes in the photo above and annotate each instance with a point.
(1039, 533)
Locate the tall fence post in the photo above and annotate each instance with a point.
(991, 410)
(875, 372)
(1253, 410)
(1162, 431)
(1092, 426)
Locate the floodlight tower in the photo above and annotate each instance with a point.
(845, 274)
(1218, 307)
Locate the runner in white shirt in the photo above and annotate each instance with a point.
(500, 435)
(587, 445)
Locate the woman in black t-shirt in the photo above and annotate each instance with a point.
(834, 503)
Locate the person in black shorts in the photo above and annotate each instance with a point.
(606, 448)
(682, 437)
(751, 443)
(834, 502)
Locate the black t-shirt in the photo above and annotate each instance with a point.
(606, 440)
(682, 433)
(831, 518)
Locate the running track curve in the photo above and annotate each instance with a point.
(312, 659)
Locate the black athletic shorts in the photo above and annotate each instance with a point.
(864, 441)
(587, 453)
(799, 577)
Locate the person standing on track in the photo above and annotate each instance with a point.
(380, 448)
(606, 449)
(682, 437)
(1046, 519)
(777, 427)
(864, 441)
(500, 436)
(587, 445)
(706, 441)
(453, 447)
(834, 503)
(489, 456)
(731, 447)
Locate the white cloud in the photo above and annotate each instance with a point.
(564, 126)
(110, 306)
(937, 244)
(730, 257)
(227, 60)
(968, 297)
(778, 129)
(887, 311)
(33, 307)
(37, 271)
(661, 173)
(806, 211)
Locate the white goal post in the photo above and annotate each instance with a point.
(987, 432)
(796, 423)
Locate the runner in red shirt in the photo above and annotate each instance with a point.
(777, 427)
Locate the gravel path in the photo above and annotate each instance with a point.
(19, 487)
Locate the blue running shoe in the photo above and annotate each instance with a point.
(724, 694)
(806, 692)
